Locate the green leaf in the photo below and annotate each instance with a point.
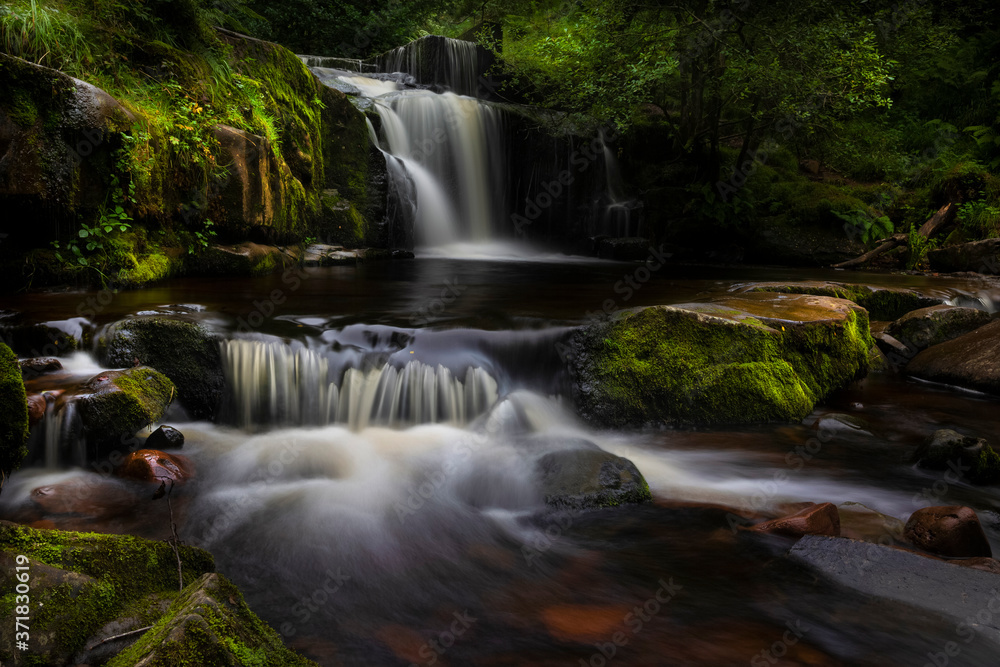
(84, 233)
(108, 228)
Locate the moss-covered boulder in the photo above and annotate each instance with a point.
(931, 326)
(882, 303)
(209, 624)
(116, 404)
(974, 458)
(184, 351)
(754, 358)
(80, 582)
(13, 414)
(242, 259)
(590, 477)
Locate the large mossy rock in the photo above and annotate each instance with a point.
(882, 303)
(80, 582)
(925, 327)
(13, 414)
(590, 477)
(749, 359)
(184, 351)
(971, 361)
(116, 404)
(209, 624)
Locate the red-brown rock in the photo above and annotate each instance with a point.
(151, 465)
(36, 408)
(952, 531)
(822, 519)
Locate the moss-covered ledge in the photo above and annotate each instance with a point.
(13, 414)
(751, 359)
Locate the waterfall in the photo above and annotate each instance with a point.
(451, 63)
(273, 383)
(449, 147)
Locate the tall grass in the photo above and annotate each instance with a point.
(43, 35)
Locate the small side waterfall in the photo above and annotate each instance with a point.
(451, 63)
(273, 383)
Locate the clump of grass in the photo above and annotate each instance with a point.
(43, 35)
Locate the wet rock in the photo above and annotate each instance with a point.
(952, 531)
(882, 303)
(184, 351)
(971, 361)
(33, 340)
(586, 478)
(977, 256)
(923, 328)
(115, 404)
(80, 582)
(938, 588)
(13, 414)
(165, 437)
(32, 368)
(36, 408)
(821, 519)
(971, 458)
(984, 564)
(245, 259)
(896, 354)
(210, 624)
(843, 425)
(150, 465)
(83, 498)
(753, 358)
(860, 522)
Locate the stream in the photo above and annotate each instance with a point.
(370, 485)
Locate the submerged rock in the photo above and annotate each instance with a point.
(13, 414)
(209, 624)
(972, 458)
(116, 404)
(754, 358)
(971, 361)
(952, 531)
(36, 408)
(821, 519)
(586, 478)
(923, 328)
(860, 522)
(882, 303)
(184, 351)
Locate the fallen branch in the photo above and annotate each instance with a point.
(124, 634)
(892, 242)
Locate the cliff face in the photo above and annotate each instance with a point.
(132, 171)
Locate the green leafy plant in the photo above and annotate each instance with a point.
(860, 224)
(919, 247)
(980, 218)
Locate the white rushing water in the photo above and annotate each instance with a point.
(452, 63)
(276, 384)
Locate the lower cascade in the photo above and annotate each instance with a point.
(272, 383)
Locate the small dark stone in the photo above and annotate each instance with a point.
(165, 437)
(585, 478)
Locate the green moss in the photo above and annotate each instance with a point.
(13, 414)
(882, 304)
(136, 398)
(209, 624)
(124, 576)
(669, 365)
(986, 468)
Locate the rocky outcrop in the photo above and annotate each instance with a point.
(13, 414)
(590, 477)
(948, 531)
(744, 359)
(116, 404)
(925, 327)
(184, 351)
(978, 256)
(165, 437)
(971, 361)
